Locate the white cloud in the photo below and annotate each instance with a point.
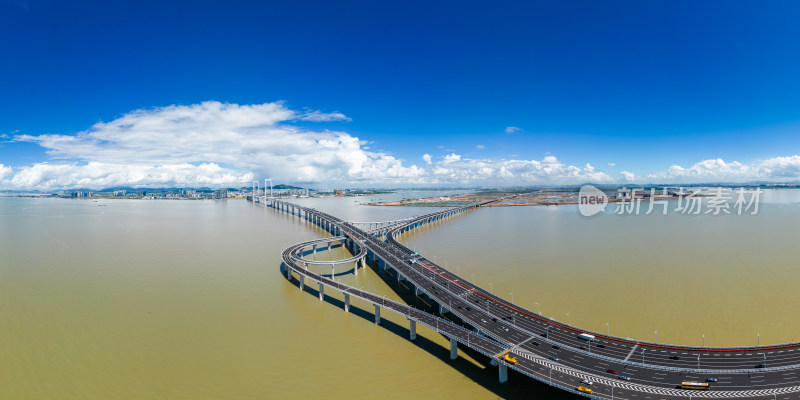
(512, 129)
(480, 147)
(246, 140)
(215, 144)
(5, 172)
(452, 157)
(317, 116)
(628, 176)
(550, 160)
(454, 169)
(775, 169)
(45, 176)
(611, 164)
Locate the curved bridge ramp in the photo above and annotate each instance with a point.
(493, 326)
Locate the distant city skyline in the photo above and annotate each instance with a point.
(413, 94)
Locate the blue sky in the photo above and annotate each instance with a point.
(632, 88)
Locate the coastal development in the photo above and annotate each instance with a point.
(510, 337)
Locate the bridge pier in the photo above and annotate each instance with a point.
(453, 349)
(321, 291)
(288, 273)
(346, 302)
(502, 371)
(442, 309)
(412, 329)
(377, 314)
(302, 282)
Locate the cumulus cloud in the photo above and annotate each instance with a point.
(512, 172)
(45, 176)
(480, 147)
(452, 157)
(776, 169)
(628, 176)
(5, 172)
(216, 144)
(611, 164)
(550, 160)
(512, 129)
(245, 140)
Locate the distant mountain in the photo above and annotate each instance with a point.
(282, 186)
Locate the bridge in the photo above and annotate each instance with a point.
(545, 349)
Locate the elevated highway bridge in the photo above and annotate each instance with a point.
(545, 349)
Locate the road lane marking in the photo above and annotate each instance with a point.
(631, 353)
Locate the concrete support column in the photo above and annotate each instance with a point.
(302, 282)
(355, 268)
(453, 349)
(346, 302)
(412, 330)
(306, 265)
(442, 309)
(377, 314)
(288, 273)
(502, 370)
(321, 291)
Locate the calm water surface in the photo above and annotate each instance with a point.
(124, 299)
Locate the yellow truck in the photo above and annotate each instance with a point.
(510, 359)
(584, 389)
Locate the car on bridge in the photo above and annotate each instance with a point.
(711, 379)
(612, 371)
(554, 358)
(624, 378)
(587, 382)
(584, 389)
(509, 359)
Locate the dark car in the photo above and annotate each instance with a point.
(554, 358)
(535, 343)
(469, 308)
(557, 347)
(624, 378)
(674, 358)
(711, 379)
(494, 319)
(612, 371)
(602, 346)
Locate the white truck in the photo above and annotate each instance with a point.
(585, 336)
